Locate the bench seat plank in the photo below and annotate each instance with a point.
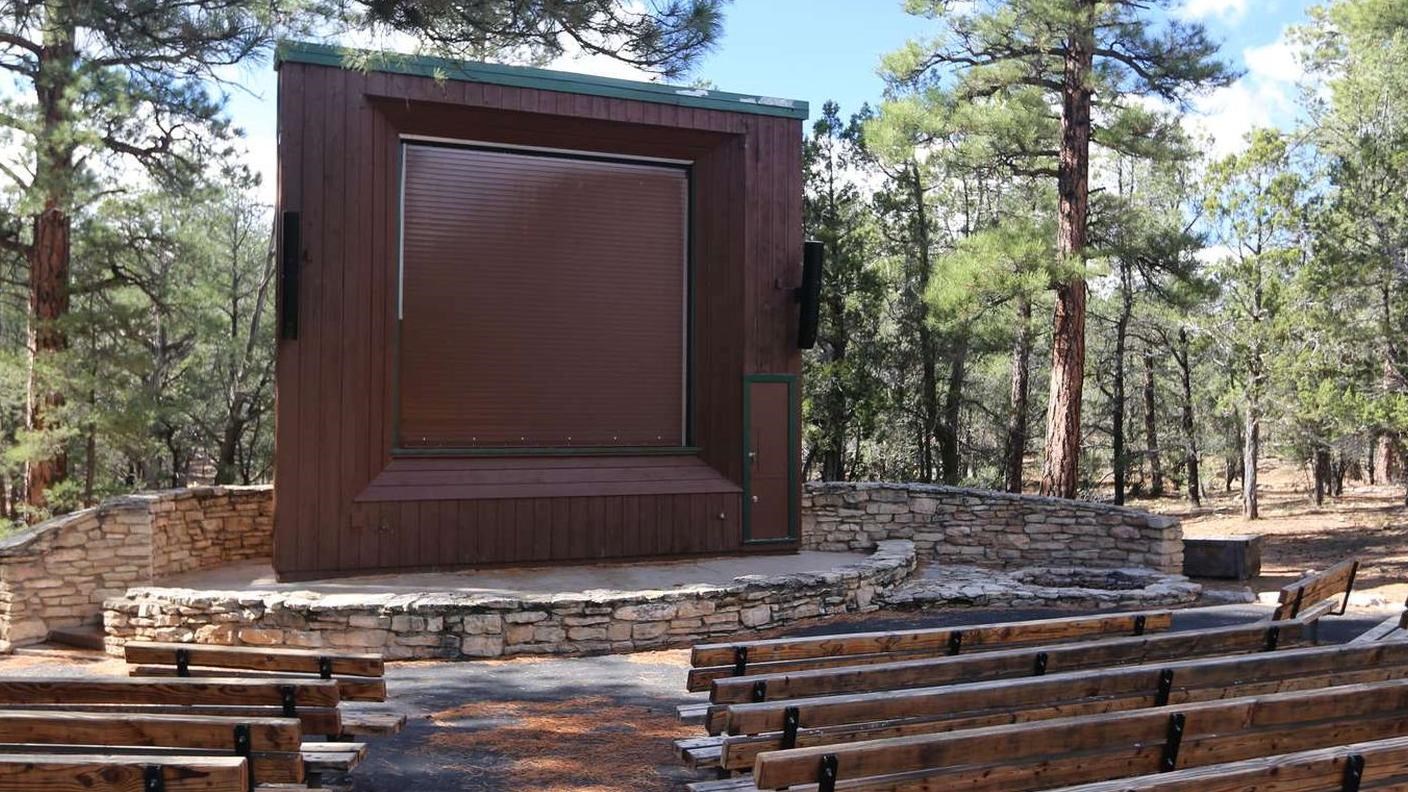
(116, 690)
(1318, 769)
(131, 729)
(110, 773)
(370, 724)
(249, 658)
(349, 688)
(979, 637)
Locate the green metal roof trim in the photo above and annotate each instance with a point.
(542, 79)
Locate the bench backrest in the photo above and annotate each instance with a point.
(1334, 583)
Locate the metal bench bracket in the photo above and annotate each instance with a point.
(1165, 687)
(152, 779)
(183, 662)
(955, 642)
(826, 775)
(1139, 623)
(791, 721)
(290, 700)
(1176, 722)
(1353, 773)
(740, 660)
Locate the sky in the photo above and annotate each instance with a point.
(817, 50)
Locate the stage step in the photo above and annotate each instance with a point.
(87, 636)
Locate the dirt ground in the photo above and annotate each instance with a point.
(1367, 522)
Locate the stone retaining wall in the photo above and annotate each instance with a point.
(478, 626)
(980, 527)
(57, 573)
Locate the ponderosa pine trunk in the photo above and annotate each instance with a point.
(1015, 452)
(48, 254)
(1190, 427)
(1251, 453)
(953, 403)
(929, 399)
(1061, 464)
(1151, 427)
(1117, 398)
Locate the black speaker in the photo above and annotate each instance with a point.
(290, 259)
(809, 293)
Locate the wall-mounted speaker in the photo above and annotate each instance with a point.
(290, 259)
(809, 293)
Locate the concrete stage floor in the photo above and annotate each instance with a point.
(520, 581)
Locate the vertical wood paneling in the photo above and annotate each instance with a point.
(289, 465)
(331, 352)
(338, 167)
(311, 330)
(356, 434)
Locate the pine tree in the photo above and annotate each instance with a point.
(1086, 57)
(107, 89)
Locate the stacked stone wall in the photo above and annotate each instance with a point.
(469, 626)
(984, 528)
(58, 573)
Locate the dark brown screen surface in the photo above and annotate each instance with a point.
(543, 301)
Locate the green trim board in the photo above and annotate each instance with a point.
(541, 79)
(794, 485)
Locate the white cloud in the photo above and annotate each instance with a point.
(1222, 9)
(1265, 96)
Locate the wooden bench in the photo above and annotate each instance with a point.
(757, 728)
(28, 772)
(1394, 628)
(1377, 765)
(1068, 751)
(781, 655)
(835, 695)
(1011, 663)
(271, 746)
(1318, 594)
(359, 676)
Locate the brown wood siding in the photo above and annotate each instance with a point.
(338, 142)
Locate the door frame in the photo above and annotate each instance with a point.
(793, 449)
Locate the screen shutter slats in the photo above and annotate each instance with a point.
(543, 301)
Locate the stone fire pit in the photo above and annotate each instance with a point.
(947, 585)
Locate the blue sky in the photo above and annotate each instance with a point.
(829, 49)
